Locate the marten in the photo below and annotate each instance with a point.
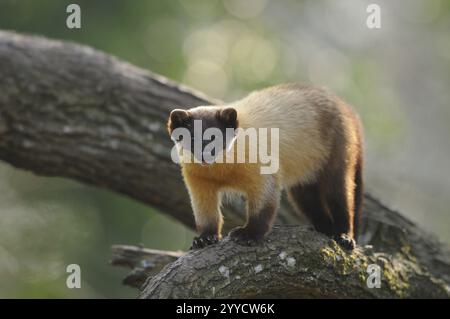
(320, 162)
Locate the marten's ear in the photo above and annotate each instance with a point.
(229, 117)
(178, 118)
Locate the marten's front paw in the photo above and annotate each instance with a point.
(245, 236)
(203, 241)
(345, 241)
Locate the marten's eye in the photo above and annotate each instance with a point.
(176, 138)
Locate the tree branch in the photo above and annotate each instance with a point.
(68, 110)
(291, 263)
(413, 264)
(144, 262)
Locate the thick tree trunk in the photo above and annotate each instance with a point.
(68, 110)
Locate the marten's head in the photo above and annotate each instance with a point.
(204, 131)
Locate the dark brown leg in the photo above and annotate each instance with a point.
(257, 224)
(340, 204)
(308, 198)
(359, 197)
(261, 211)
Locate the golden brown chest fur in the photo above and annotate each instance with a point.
(236, 176)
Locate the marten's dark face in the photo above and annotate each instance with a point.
(204, 131)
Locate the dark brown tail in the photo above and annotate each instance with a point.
(359, 196)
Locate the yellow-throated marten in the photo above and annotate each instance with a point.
(320, 162)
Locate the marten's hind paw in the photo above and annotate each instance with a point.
(203, 241)
(245, 237)
(345, 241)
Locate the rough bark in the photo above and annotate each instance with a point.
(291, 263)
(68, 110)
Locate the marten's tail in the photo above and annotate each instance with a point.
(359, 196)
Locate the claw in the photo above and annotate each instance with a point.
(203, 241)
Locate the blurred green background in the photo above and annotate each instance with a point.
(397, 77)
